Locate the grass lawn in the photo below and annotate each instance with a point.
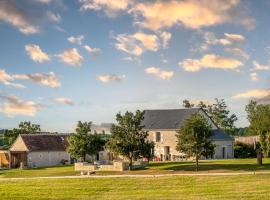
(206, 166)
(246, 187)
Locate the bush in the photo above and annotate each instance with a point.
(242, 150)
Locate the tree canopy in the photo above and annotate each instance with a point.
(258, 116)
(25, 127)
(83, 142)
(194, 138)
(219, 113)
(128, 137)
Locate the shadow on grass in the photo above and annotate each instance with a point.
(208, 166)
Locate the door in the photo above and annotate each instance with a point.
(224, 153)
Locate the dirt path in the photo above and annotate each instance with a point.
(138, 176)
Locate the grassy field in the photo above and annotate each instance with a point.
(246, 187)
(209, 166)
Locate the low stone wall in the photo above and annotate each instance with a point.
(116, 166)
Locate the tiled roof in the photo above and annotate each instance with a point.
(173, 119)
(45, 142)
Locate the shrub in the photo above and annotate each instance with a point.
(242, 150)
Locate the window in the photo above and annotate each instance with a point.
(158, 138)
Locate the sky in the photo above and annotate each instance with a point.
(65, 61)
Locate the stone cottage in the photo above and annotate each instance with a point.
(39, 150)
(163, 124)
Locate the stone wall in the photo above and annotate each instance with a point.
(47, 158)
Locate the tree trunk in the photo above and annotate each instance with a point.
(130, 163)
(197, 163)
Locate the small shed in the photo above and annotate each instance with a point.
(39, 150)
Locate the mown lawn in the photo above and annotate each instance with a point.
(206, 166)
(246, 187)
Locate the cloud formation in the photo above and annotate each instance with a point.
(166, 37)
(45, 79)
(259, 67)
(256, 93)
(110, 78)
(53, 17)
(71, 57)
(15, 106)
(7, 79)
(162, 74)
(156, 15)
(92, 51)
(76, 39)
(210, 61)
(10, 13)
(64, 100)
(229, 39)
(137, 43)
(254, 76)
(36, 53)
(110, 7)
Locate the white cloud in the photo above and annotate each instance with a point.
(166, 37)
(259, 67)
(15, 106)
(210, 61)
(11, 14)
(76, 39)
(110, 7)
(71, 57)
(44, 1)
(64, 100)
(254, 76)
(229, 39)
(7, 79)
(156, 15)
(45, 79)
(110, 77)
(137, 43)
(256, 93)
(162, 74)
(36, 53)
(53, 17)
(91, 50)
(238, 52)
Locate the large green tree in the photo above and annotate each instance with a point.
(128, 137)
(258, 116)
(219, 113)
(194, 138)
(25, 127)
(83, 142)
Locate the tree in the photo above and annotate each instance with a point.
(84, 143)
(258, 116)
(219, 113)
(25, 127)
(128, 138)
(194, 138)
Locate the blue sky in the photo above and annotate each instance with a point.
(64, 61)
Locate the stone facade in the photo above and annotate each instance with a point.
(165, 146)
(47, 158)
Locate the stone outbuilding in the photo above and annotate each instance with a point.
(39, 150)
(163, 124)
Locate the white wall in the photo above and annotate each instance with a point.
(228, 149)
(47, 158)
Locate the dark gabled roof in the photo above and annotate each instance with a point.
(173, 119)
(167, 119)
(45, 142)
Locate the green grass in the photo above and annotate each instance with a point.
(206, 166)
(39, 172)
(246, 187)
